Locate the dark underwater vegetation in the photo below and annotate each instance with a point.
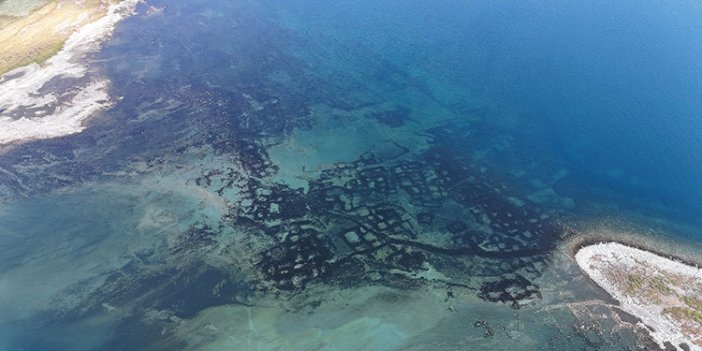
(381, 175)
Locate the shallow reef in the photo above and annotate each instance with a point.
(262, 189)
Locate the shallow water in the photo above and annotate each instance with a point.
(356, 175)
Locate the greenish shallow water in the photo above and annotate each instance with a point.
(302, 176)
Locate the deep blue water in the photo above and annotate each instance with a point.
(611, 89)
(615, 86)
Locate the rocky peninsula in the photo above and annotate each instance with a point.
(665, 294)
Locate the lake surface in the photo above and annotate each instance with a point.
(356, 175)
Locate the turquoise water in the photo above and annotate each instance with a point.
(356, 175)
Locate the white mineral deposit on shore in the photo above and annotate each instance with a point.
(29, 110)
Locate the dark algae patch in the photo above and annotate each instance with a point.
(394, 118)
